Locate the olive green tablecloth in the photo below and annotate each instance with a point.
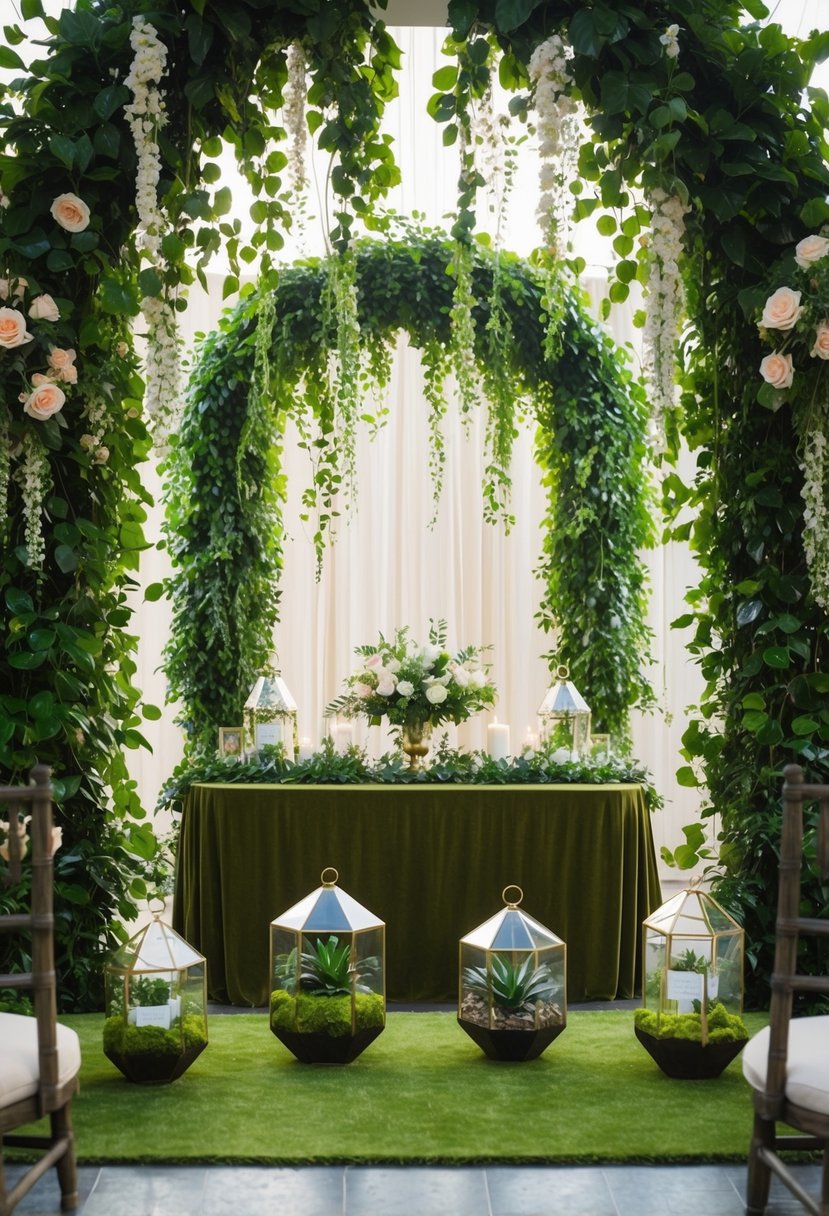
(431, 861)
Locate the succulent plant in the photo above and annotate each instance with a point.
(513, 986)
(325, 968)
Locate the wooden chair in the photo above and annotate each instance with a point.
(787, 1063)
(39, 1059)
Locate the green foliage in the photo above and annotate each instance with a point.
(331, 1015)
(512, 985)
(325, 968)
(225, 541)
(723, 1027)
(145, 991)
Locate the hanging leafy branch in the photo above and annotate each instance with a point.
(222, 543)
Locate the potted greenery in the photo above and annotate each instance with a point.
(156, 1021)
(511, 998)
(328, 992)
(692, 994)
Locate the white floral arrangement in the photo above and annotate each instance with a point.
(665, 306)
(558, 127)
(795, 321)
(416, 685)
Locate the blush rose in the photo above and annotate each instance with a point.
(44, 308)
(777, 370)
(70, 212)
(13, 330)
(44, 401)
(810, 249)
(820, 350)
(782, 309)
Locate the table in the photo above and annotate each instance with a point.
(429, 860)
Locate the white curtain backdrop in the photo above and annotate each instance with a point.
(385, 567)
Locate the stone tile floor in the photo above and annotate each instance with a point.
(610, 1190)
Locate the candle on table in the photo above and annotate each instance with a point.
(497, 740)
(305, 748)
(342, 736)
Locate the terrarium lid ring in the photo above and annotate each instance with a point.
(329, 882)
(155, 906)
(516, 899)
(563, 672)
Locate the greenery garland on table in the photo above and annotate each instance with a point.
(684, 104)
(224, 485)
(446, 767)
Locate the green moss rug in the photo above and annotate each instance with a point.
(422, 1092)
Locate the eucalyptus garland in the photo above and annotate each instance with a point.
(591, 426)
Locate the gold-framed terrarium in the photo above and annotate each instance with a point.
(692, 991)
(270, 714)
(564, 716)
(512, 992)
(156, 1005)
(328, 976)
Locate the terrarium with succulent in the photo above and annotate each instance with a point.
(327, 991)
(512, 984)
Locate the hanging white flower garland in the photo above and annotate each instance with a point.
(665, 307)
(557, 126)
(146, 115)
(35, 480)
(293, 113)
(815, 469)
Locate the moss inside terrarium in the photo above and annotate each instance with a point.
(309, 1013)
(723, 1027)
(124, 1040)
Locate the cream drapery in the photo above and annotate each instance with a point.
(387, 568)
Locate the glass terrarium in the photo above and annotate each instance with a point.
(692, 992)
(564, 716)
(328, 989)
(512, 991)
(156, 1005)
(270, 713)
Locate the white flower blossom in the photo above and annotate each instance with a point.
(670, 41)
(35, 480)
(557, 126)
(293, 113)
(665, 305)
(815, 469)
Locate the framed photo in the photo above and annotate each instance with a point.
(230, 741)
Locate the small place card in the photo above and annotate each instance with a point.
(684, 986)
(268, 734)
(153, 1015)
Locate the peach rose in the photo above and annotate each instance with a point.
(13, 330)
(62, 362)
(41, 378)
(810, 249)
(15, 287)
(70, 212)
(44, 308)
(777, 370)
(102, 454)
(44, 401)
(820, 350)
(782, 309)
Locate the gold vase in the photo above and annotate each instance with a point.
(414, 739)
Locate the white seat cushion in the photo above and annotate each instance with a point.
(807, 1063)
(19, 1069)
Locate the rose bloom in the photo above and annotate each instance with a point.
(385, 684)
(41, 378)
(13, 330)
(777, 370)
(44, 401)
(782, 309)
(44, 308)
(102, 454)
(820, 350)
(122, 350)
(405, 688)
(810, 249)
(70, 212)
(20, 286)
(436, 694)
(87, 442)
(362, 690)
(60, 359)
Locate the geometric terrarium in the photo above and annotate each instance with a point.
(328, 986)
(512, 991)
(692, 994)
(270, 713)
(156, 1005)
(564, 717)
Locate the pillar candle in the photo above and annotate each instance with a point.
(497, 740)
(305, 748)
(342, 736)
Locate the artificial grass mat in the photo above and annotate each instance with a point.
(421, 1092)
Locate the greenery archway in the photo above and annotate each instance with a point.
(224, 476)
(682, 98)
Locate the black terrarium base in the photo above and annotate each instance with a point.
(153, 1068)
(513, 1045)
(317, 1047)
(687, 1060)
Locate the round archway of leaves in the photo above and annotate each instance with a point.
(225, 488)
